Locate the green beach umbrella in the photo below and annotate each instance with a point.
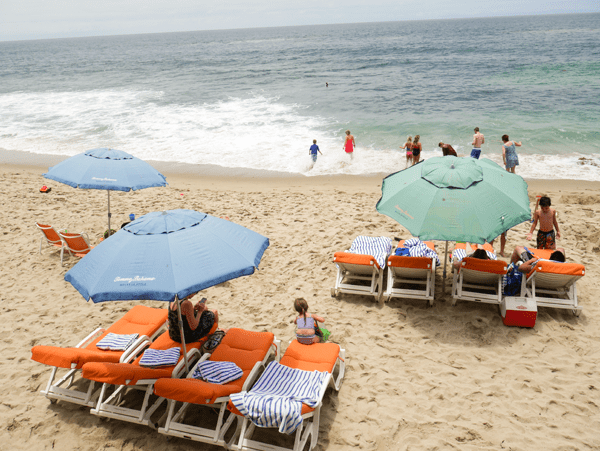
(455, 199)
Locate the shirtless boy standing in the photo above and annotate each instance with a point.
(546, 237)
(478, 140)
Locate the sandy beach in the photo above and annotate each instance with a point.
(418, 377)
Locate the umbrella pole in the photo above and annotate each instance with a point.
(444, 278)
(187, 365)
(108, 191)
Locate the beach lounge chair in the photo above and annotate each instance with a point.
(411, 277)
(50, 236)
(145, 321)
(130, 375)
(77, 244)
(360, 269)
(478, 280)
(249, 351)
(324, 357)
(553, 284)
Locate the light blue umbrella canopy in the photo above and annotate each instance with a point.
(455, 199)
(163, 255)
(109, 169)
(449, 198)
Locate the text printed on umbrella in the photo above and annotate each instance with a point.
(135, 279)
(402, 212)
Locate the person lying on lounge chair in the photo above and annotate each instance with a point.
(521, 253)
(197, 320)
(478, 253)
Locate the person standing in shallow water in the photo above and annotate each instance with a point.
(478, 140)
(349, 144)
(509, 153)
(416, 149)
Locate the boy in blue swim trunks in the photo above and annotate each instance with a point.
(548, 232)
(313, 151)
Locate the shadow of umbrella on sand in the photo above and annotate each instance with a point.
(455, 199)
(109, 169)
(166, 256)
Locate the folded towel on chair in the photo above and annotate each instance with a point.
(379, 247)
(217, 372)
(156, 358)
(276, 399)
(417, 248)
(116, 342)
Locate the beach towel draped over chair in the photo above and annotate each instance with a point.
(413, 276)
(478, 280)
(328, 358)
(131, 375)
(50, 236)
(360, 269)
(77, 244)
(553, 284)
(144, 321)
(247, 350)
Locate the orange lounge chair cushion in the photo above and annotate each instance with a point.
(409, 262)
(315, 357)
(489, 266)
(429, 244)
(140, 320)
(566, 269)
(131, 373)
(242, 347)
(77, 244)
(541, 253)
(50, 234)
(355, 259)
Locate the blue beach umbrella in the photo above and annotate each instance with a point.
(166, 256)
(109, 169)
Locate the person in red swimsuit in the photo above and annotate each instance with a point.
(349, 144)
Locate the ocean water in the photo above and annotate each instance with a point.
(256, 98)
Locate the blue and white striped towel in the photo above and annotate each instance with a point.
(276, 399)
(459, 254)
(217, 372)
(417, 248)
(379, 247)
(156, 358)
(116, 342)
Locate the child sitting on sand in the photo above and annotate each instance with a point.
(308, 331)
(546, 237)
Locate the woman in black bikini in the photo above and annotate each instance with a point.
(416, 149)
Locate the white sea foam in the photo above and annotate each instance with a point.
(257, 132)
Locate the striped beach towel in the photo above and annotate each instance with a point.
(217, 372)
(116, 342)
(379, 247)
(156, 358)
(276, 399)
(417, 248)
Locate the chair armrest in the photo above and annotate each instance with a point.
(252, 376)
(90, 337)
(204, 357)
(192, 355)
(134, 351)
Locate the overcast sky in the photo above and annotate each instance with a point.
(43, 19)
